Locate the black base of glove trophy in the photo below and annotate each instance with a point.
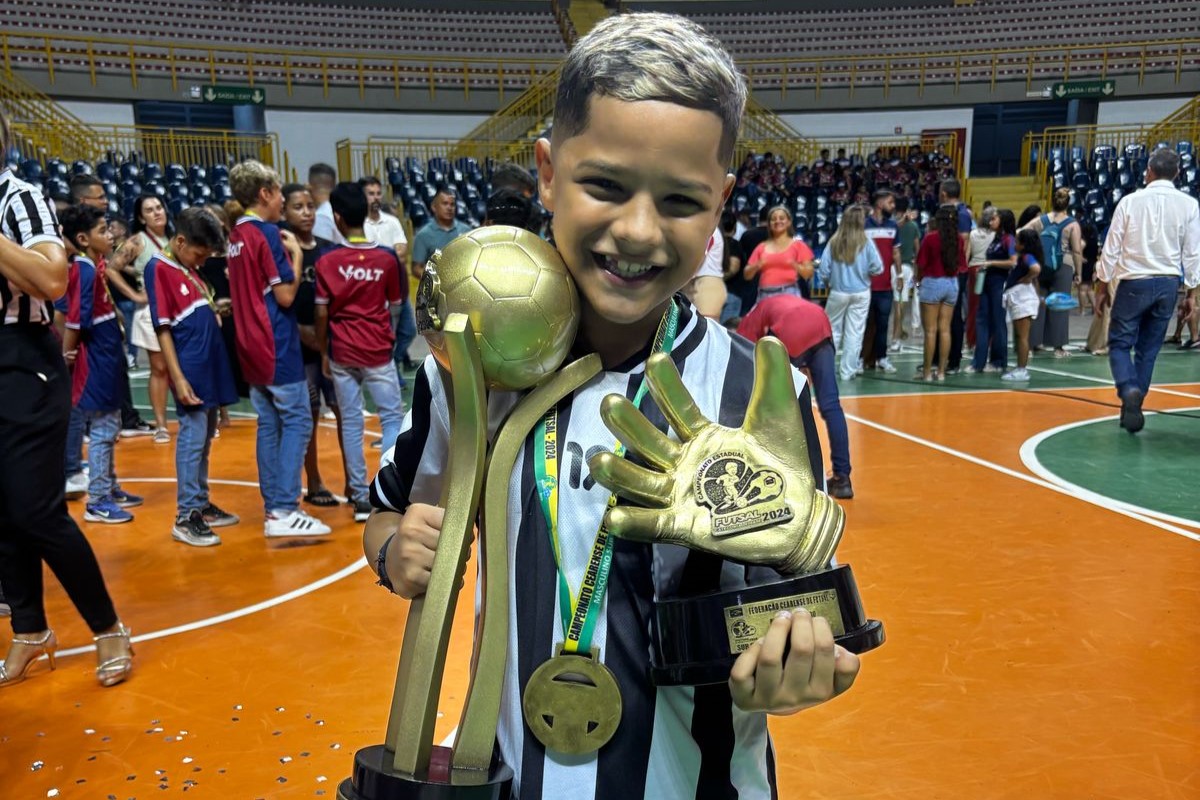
(698, 638)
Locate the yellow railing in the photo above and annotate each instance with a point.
(1036, 148)
(24, 104)
(514, 123)
(239, 64)
(163, 146)
(1184, 118)
(356, 159)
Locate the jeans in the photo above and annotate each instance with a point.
(348, 382)
(405, 326)
(881, 312)
(284, 427)
(732, 308)
(990, 325)
(192, 445)
(819, 363)
(1141, 312)
(73, 463)
(102, 478)
(848, 316)
(958, 323)
(127, 307)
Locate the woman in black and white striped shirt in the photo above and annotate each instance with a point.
(35, 401)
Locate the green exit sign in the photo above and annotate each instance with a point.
(233, 95)
(1071, 90)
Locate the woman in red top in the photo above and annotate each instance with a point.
(781, 259)
(941, 256)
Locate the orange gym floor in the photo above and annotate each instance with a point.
(1043, 620)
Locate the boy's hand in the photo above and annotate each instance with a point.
(187, 397)
(326, 369)
(410, 554)
(290, 243)
(794, 667)
(69, 357)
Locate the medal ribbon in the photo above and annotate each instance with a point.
(580, 612)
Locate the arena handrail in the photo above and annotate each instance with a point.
(276, 65)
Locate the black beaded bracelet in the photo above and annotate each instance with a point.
(381, 566)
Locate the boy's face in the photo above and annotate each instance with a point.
(636, 196)
(271, 203)
(190, 255)
(99, 239)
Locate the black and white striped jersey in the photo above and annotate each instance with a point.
(672, 742)
(25, 218)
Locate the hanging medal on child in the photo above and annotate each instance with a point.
(572, 702)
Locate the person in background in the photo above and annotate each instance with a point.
(509, 207)
(321, 180)
(1090, 236)
(942, 255)
(782, 260)
(1031, 212)
(707, 289)
(804, 329)
(978, 241)
(439, 231)
(847, 265)
(385, 229)
(949, 194)
(991, 330)
(731, 269)
(510, 176)
(883, 231)
(299, 213)
(1153, 242)
(151, 231)
(908, 237)
(264, 276)
(750, 240)
(1021, 299)
(1051, 329)
(188, 325)
(215, 272)
(35, 402)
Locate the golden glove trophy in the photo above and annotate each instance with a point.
(745, 495)
(499, 311)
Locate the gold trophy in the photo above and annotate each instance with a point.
(500, 312)
(746, 495)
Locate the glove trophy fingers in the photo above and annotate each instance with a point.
(773, 408)
(673, 398)
(633, 430)
(650, 525)
(630, 481)
(820, 537)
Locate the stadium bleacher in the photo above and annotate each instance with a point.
(1100, 178)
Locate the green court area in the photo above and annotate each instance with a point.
(1154, 471)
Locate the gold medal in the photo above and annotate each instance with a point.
(572, 703)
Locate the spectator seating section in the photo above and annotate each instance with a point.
(1099, 179)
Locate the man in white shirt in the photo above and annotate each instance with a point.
(707, 289)
(384, 229)
(1154, 239)
(321, 180)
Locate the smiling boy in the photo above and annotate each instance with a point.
(636, 174)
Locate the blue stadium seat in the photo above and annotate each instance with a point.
(174, 173)
(81, 168)
(105, 171)
(1081, 181)
(197, 174)
(176, 205)
(219, 172)
(31, 170)
(129, 171)
(152, 172)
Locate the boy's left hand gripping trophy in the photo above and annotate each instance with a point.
(499, 311)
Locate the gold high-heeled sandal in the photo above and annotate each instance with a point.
(47, 646)
(114, 670)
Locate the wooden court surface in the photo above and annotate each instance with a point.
(1040, 643)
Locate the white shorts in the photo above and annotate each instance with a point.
(1021, 301)
(902, 285)
(142, 334)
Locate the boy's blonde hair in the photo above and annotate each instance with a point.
(250, 177)
(650, 56)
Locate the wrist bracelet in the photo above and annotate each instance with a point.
(381, 566)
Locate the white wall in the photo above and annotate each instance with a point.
(1137, 112)
(312, 136)
(100, 113)
(881, 122)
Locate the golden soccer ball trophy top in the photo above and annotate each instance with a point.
(515, 288)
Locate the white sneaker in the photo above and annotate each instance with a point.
(1017, 374)
(295, 524)
(895, 346)
(885, 365)
(77, 486)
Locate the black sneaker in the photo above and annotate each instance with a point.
(193, 530)
(839, 486)
(1132, 418)
(217, 517)
(362, 510)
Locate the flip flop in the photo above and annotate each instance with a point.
(322, 498)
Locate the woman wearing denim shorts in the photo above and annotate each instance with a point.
(941, 256)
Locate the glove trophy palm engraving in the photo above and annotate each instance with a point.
(745, 494)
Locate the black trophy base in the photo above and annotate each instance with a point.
(374, 779)
(698, 638)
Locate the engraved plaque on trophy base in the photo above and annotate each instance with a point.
(374, 779)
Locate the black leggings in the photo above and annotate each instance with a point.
(35, 401)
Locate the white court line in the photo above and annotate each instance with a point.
(1104, 503)
(939, 392)
(1154, 387)
(237, 613)
(1030, 460)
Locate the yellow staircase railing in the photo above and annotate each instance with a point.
(43, 125)
(1182, 123)
(509, 133)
